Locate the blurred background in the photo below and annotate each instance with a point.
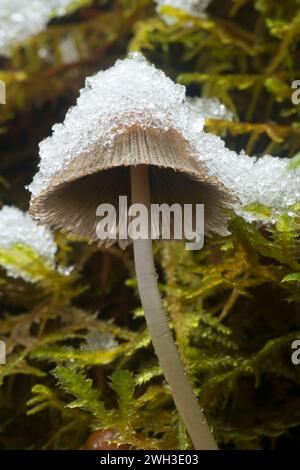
(80, 371)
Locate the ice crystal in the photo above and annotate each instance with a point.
(17, 228)
(267, 180)
(20, 19)
(132, 92)
(211, 108)
(135, 92)
(193, 7)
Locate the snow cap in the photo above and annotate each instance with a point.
(131, 114)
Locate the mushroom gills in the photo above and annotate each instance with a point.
(176, 177)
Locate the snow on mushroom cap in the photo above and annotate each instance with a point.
(16, 227)
(211, 108)
(131, 92)
(266, 180)
(20, 19)
(135, 92)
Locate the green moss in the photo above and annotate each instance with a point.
(79, 356)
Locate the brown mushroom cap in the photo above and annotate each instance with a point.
(70, 201)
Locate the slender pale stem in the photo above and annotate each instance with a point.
(164, 345)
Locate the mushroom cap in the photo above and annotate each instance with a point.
(131, 114)
(102, 174)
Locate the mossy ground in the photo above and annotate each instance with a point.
(79, 355)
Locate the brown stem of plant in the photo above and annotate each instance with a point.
(162, 339)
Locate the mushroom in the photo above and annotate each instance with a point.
(131, 135)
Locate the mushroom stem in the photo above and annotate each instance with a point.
(162, 339)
